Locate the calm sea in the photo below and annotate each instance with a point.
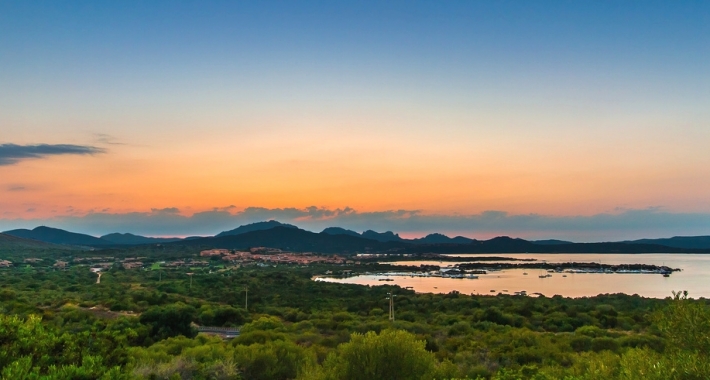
(693, 277)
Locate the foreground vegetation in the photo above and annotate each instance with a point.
(141, 324)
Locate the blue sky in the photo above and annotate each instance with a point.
(561, 109)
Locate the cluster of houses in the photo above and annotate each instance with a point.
(273, 256)
(376, 255)
(256, 255)
(29, 260)
(92, 259)
(100, 266)
(186, 263)
(132, 264)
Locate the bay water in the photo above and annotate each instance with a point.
(693, 277)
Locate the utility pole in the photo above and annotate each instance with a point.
(390, 297)
(190, 274)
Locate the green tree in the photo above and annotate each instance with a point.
(393, 355)
(31, 350)
(270, 361)
(169, 321)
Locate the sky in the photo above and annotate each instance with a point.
(579, 120)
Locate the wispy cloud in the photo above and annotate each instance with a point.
(619, 225)
(165, 211)
(104, 138)
(12, 153)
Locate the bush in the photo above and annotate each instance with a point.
(393, 355)
(601, 344)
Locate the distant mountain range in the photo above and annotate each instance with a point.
(57, 236)
(62, 237)
(258, 226)
(688, 242)
(339, 240)
(552, 242)
(9, 242)
(437, 238)
(434, 238)
(130, 239)
(294, 239)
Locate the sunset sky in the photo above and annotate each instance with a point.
(582, 120)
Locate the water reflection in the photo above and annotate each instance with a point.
(693, 277)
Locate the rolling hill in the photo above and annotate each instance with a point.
(9, 242)
(131, 239)
(437, 238)
(57, 236)
(62, 237)
(339, 231)
(258, 226)
(688, 242)
(294, 239)
(339, 240)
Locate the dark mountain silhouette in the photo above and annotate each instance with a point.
(57, 236)
(258, 226)
(613, 248)
(381, 236)
(434, 238)
(339, 231)
(9, 242)
(131, 239)
(437, 238)
(688, 242)
(294, 239)
(338, 240)
(551, 242)
(506, 244)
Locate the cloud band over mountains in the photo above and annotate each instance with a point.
(11, 154)
(624, 224)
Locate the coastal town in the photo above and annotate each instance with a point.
(274, 256)
(220, 258)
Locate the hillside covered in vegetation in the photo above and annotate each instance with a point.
(59, 323)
